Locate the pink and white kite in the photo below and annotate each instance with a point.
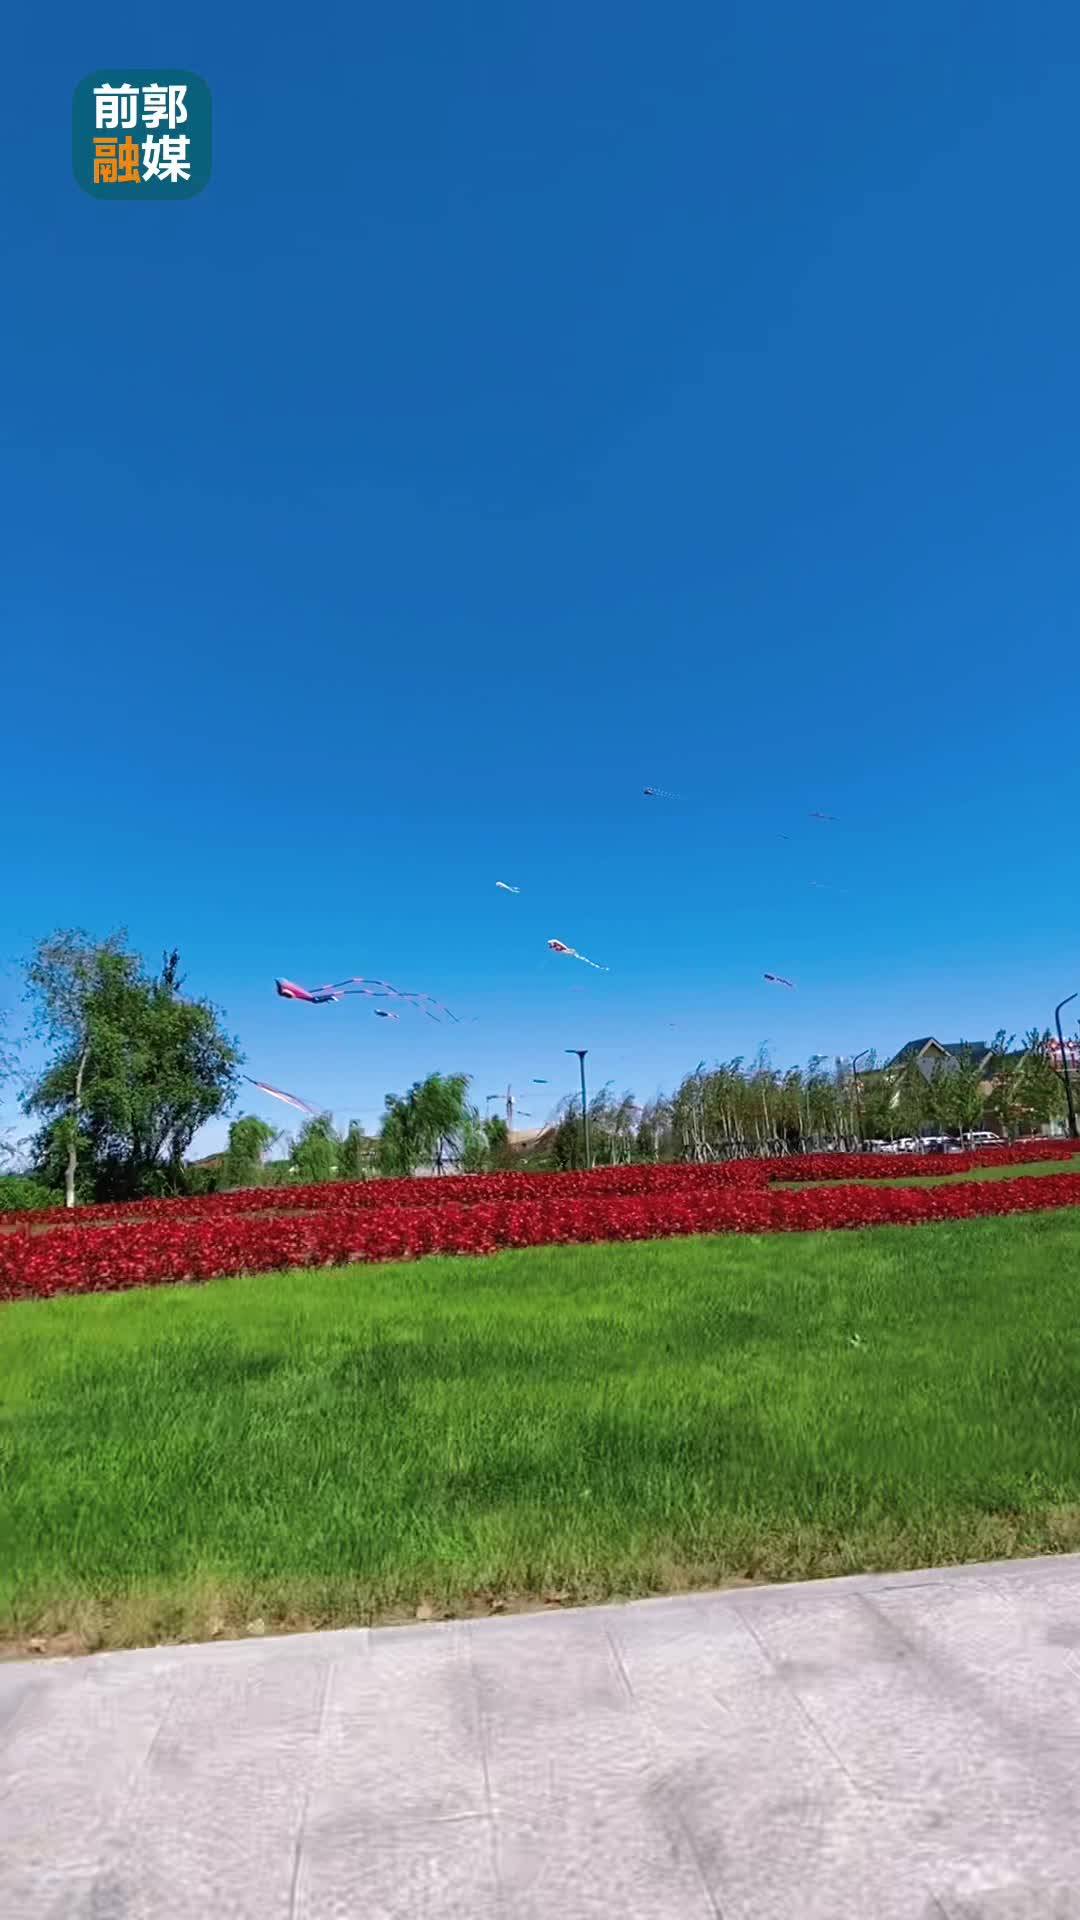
(559, 946)
(777, 980)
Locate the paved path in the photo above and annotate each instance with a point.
(903, 1745)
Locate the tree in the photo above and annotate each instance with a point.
(1041, 1088)
(428, 1126)
(16, 1191)
(8, 1058)
(913, 1098)
(250, 1139)
(958, 1096)
(315, 1153)
(64, 974)
(356, 1155)
(135, 1070)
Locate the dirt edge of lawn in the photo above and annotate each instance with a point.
(211, 1613)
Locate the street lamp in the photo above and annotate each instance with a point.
(581, 1052)
(855, 1085)
(1065, 1065)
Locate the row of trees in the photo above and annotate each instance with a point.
(134, 1067)
(433, 1127)
(739, 1107)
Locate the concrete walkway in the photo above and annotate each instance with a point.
(904, 1745)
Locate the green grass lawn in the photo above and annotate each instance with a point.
(332, 1447)
(1033, 1170)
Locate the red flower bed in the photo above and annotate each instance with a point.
(100, 1249)
(478, 1189)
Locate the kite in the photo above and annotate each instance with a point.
(503, 888)
(777, 980)
(383, 1013)
(559, 946)
(316, 996)
(539, 1083)
(660, 793)
(290, 1099)
(371, 989)
(824, 816)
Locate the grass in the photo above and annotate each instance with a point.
(332, 1447)
(1033, 1171)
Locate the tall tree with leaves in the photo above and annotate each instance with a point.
(428, 1126)
(315, 1152)
(250, 1140)
(135, 1068)
(67, 976)
(356, 1154)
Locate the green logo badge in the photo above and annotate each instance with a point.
(141, 133)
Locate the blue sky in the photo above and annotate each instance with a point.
(537, 405)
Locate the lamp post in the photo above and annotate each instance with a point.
(855, 1086)
(1065, 1065)
(581, 1052)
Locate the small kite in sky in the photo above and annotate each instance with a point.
(559, 946)
(539, 1083)
(660, 793)
(383, 1013)
(503, 888)
(290, 1099)
(777, 980)
(831, 817)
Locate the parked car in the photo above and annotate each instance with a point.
(983, 1139)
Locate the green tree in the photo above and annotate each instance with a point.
(914, 1101)
(315, 1152)
(250, 1139)
(356, 1155)
(17, 1191)
(959, 1100)
(135, 1068)
(1041, 1087)
(428, 1126)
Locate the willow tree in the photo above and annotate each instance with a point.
(430, 1125)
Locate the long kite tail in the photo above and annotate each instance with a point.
(384, 989)
(290, 1099)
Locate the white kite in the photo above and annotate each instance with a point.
(559, 946)
(504, 888)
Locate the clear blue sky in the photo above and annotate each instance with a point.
(541, 403)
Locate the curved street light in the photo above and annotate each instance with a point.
(1065, 1065)
(581, 1052)
(855, 1086)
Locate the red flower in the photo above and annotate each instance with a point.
(98, 1249)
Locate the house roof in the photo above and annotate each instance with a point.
(972, 1052)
